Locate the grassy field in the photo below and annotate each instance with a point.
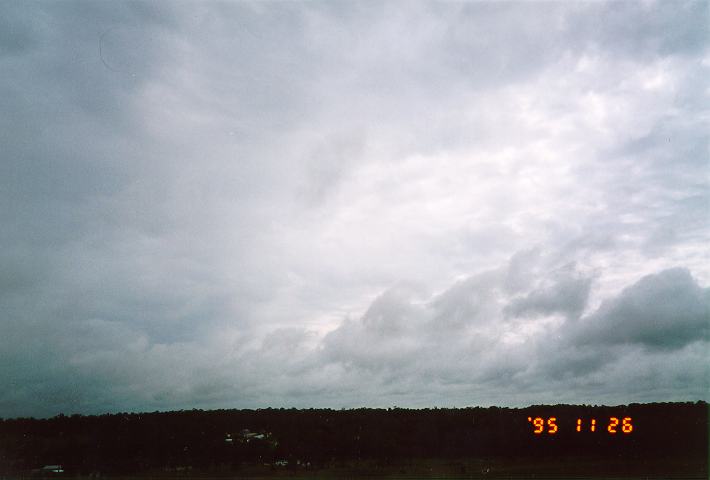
(491, 468)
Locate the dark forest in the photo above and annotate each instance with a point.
(667, 438)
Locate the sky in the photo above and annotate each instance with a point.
(347, 204)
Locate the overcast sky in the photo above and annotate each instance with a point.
(346, 204)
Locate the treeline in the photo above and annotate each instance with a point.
(226, 440)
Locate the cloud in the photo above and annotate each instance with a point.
(566, 293)
(340, 205)
(666, 310)
(662, 317)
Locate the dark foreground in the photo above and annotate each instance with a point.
(668, 440)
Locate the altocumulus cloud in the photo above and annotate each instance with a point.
(309, 204)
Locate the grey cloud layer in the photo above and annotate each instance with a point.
(667, 310)
(200, 201)
(463, 335)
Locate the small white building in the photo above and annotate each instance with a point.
(52, 469)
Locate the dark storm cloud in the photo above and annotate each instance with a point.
(247, 204)
(566, 294)
(667, 310)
